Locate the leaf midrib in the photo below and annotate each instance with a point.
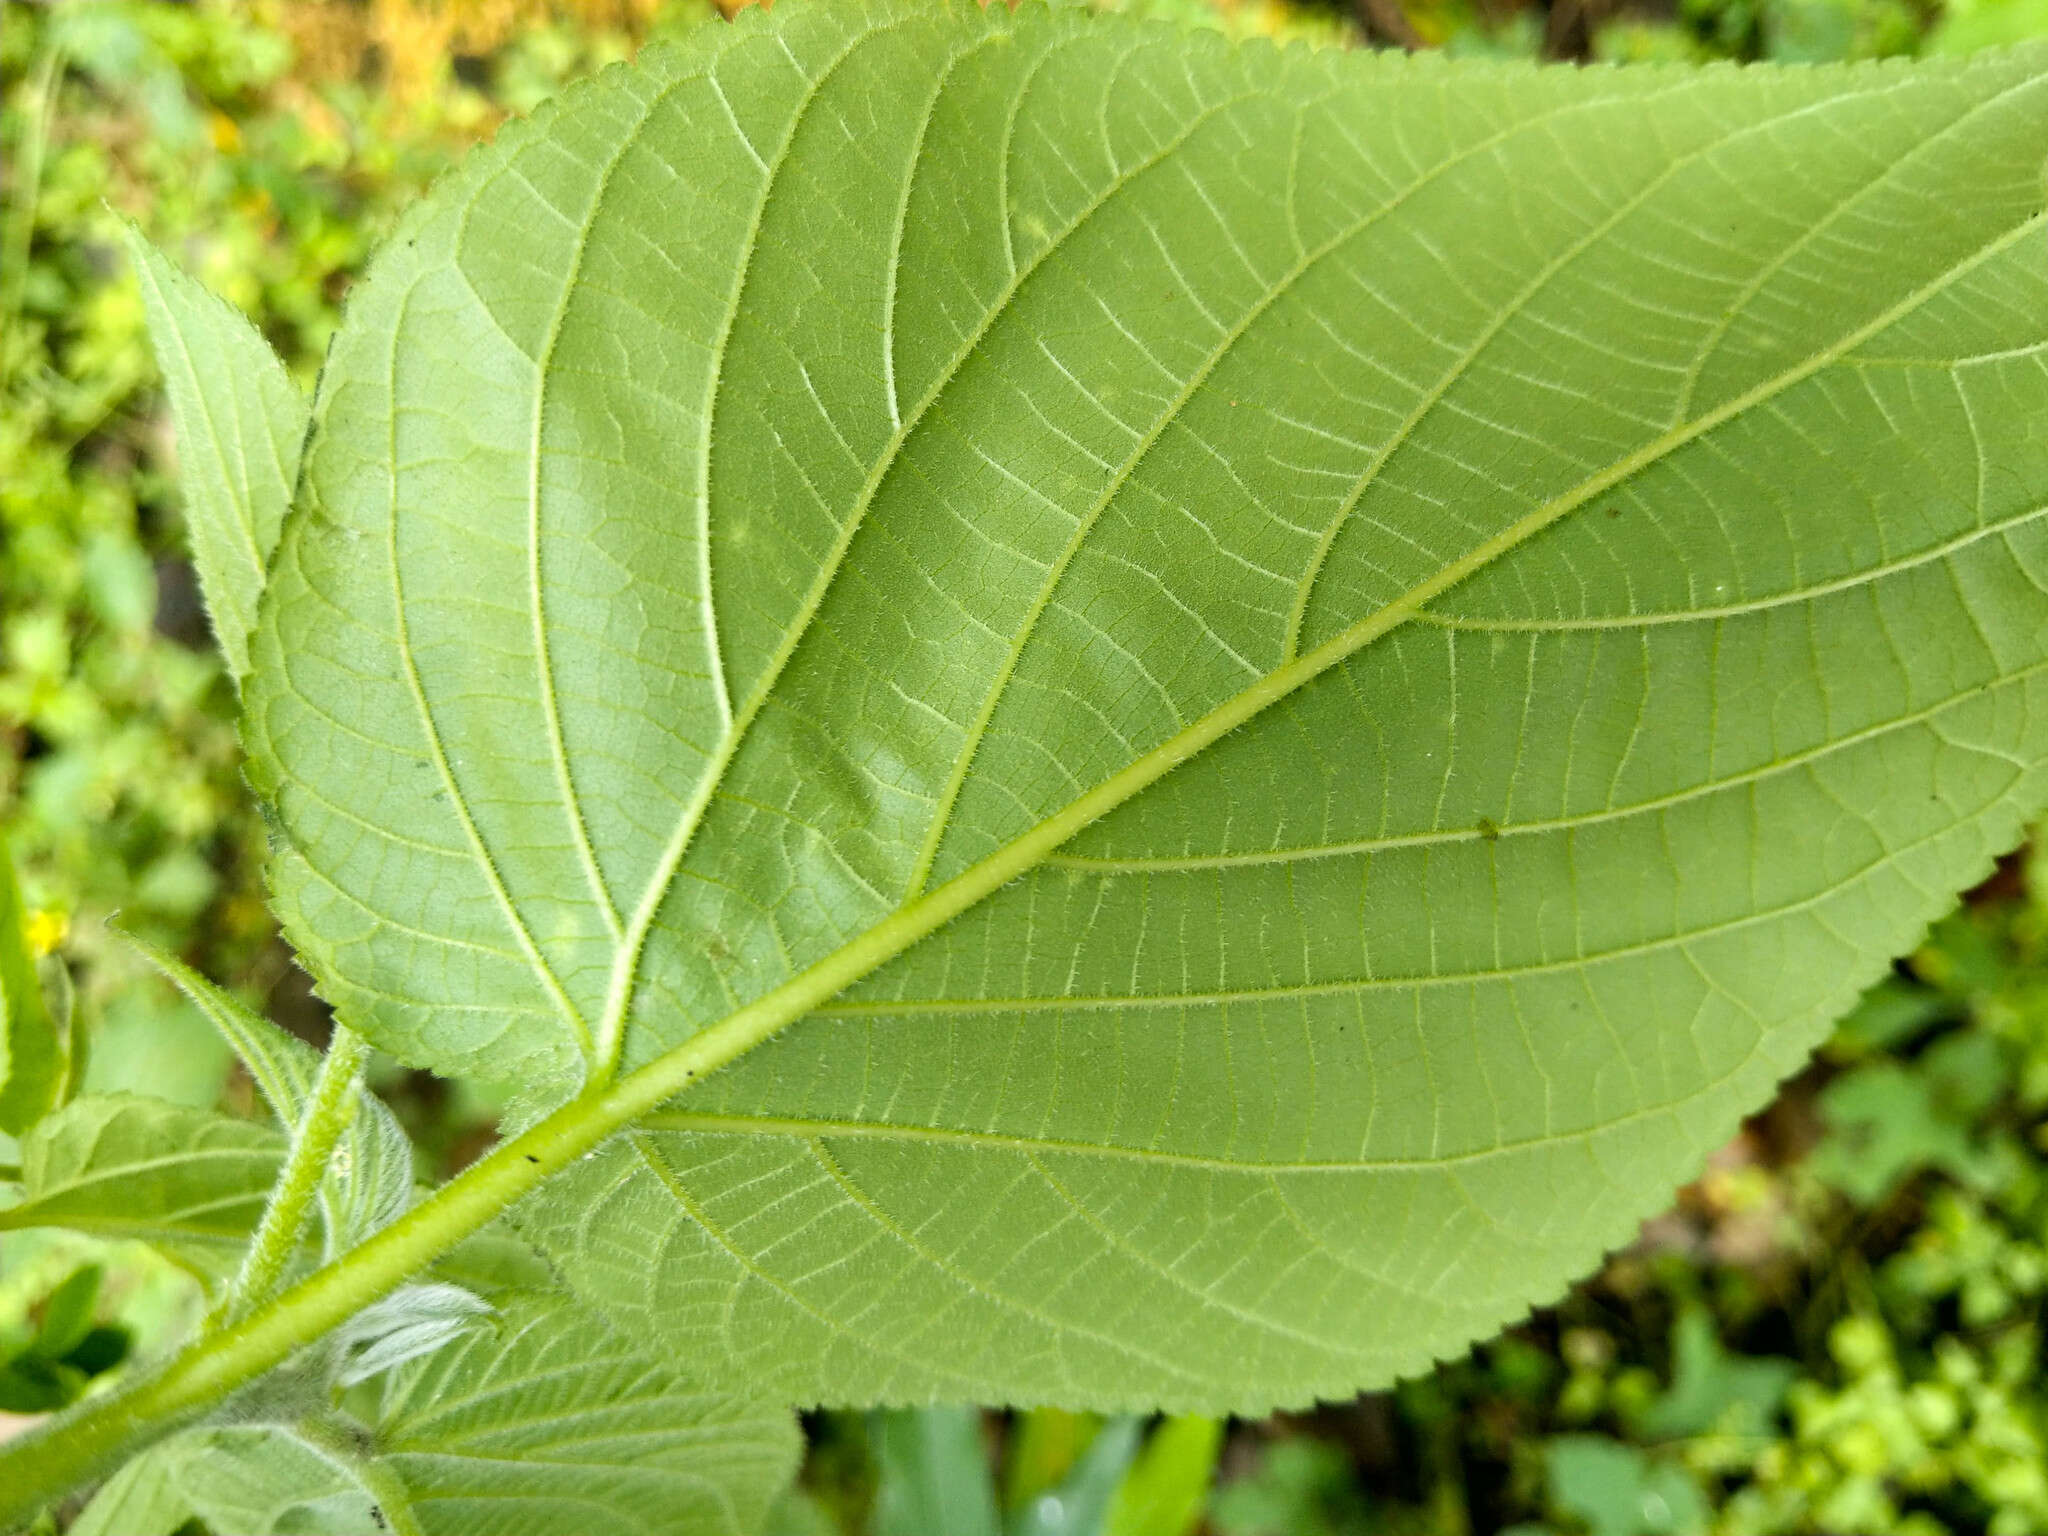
(730, 1038)
(1425, 404)
(1440, 837)
(800, 1128)
(619, 1002)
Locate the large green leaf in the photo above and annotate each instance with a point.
(1340, 660)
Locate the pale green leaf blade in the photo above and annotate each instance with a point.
(239, 421)
(1339, 704)
(286, 1480)
(539, 1421)
(121, 1166)
(142, 1499)
(552, 1421)
(34, 1049)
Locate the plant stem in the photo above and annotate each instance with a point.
(39, 1468)
(330, 1106)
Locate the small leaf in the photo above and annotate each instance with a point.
(370, 1183)
(67, 1313)
(1621, 1491)
(34, 1051)
(282, 1067)
(412, 1321)
(121, 1166)
(1886, 1123)
(1712, 1387)
(31, 1384)
(239, 421)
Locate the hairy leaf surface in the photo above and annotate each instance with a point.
(552, 1421)
(369, 1182)
(122, 1166)
(142, 1499)
(239, 421)
(540, 1421)
(1340, 661)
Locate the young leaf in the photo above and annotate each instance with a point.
(34, 1049)
(283, 1068)
(1305, 695)
(370, 1182)
(116, 1165)
(1713, 1389)
(1618, 1490)
(239, 421)
(412, 1321)
(67, 1314)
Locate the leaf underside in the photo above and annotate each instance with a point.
(541, 1421)
(1542, 570)
(120, 1166)
(240, 422)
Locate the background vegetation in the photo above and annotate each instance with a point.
(1837, 1329)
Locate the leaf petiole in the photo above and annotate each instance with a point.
(329, 1109)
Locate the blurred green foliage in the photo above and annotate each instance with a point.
(1838, 1329)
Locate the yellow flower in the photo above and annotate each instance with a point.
(46, 930)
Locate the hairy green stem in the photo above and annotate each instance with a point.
(330, 1106)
